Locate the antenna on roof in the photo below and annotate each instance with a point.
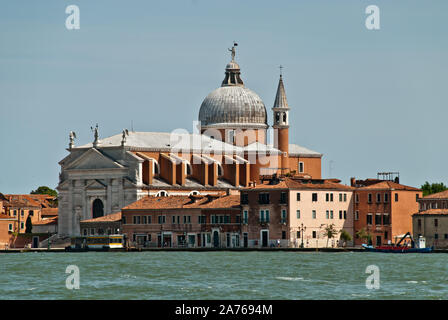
(389, 176)
(132, 125)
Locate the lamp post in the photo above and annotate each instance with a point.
(302, 230)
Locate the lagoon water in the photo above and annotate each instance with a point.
(223, 275)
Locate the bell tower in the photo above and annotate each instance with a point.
(281, 124)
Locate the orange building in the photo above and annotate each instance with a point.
(383, 209)
(7, 226)
(20, 210)
(183, 221)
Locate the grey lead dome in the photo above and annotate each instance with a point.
(233, 105)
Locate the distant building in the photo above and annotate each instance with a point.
(18, 210)
(49, 225)
(23, 207)
(7, 226)
(289, 212)
(105, 225)
(183, 221)
(383, 209)
(431, 221)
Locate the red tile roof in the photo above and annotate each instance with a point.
(29, 200)
(433, 211)
(439, 195)
(179, 202)
(315, 184)
(46, 222)
(388, 185)
(113, 217)
(49, 212)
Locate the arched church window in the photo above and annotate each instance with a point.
(97, 208)
(284, 117)
(277, 116)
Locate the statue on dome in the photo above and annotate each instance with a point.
(233, 50)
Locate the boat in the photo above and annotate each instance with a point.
(96, 243)
(398, 248)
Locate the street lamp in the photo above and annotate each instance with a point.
(302, 230)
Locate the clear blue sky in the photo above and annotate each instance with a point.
(368, 100)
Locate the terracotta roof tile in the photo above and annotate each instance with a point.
(433, 211)
(439, 195)
(113, 217)
(291, 183)
(49, 212)
(389, 185)
(46, 222)
(179, 202)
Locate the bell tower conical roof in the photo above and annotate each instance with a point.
(280, 98)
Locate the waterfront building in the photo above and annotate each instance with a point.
(47, 225)
(7, 226)
(183, 221)
(228, 151)
(105, 225)
(24, 208)
(19, 212)
(431, 221)
(292, 211)
(383, 208)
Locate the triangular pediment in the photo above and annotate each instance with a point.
(93, 159)
(95, 184)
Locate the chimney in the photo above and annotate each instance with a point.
(211, 197)
(194, 197)
(352, 181)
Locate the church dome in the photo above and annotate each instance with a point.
(233, 105)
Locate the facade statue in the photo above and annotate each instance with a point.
(72, 137)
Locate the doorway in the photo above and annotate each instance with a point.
(216, 239)
(264, 238)
(378, 240)
(97, 208)
(35, 243)
(245, 240)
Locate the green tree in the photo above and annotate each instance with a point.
(345, 237)
(45, 190)
(363, 235)
(428, 188)
(330, 231)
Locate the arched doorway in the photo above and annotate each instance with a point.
(97, 208)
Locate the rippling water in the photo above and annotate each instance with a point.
(223, 275)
